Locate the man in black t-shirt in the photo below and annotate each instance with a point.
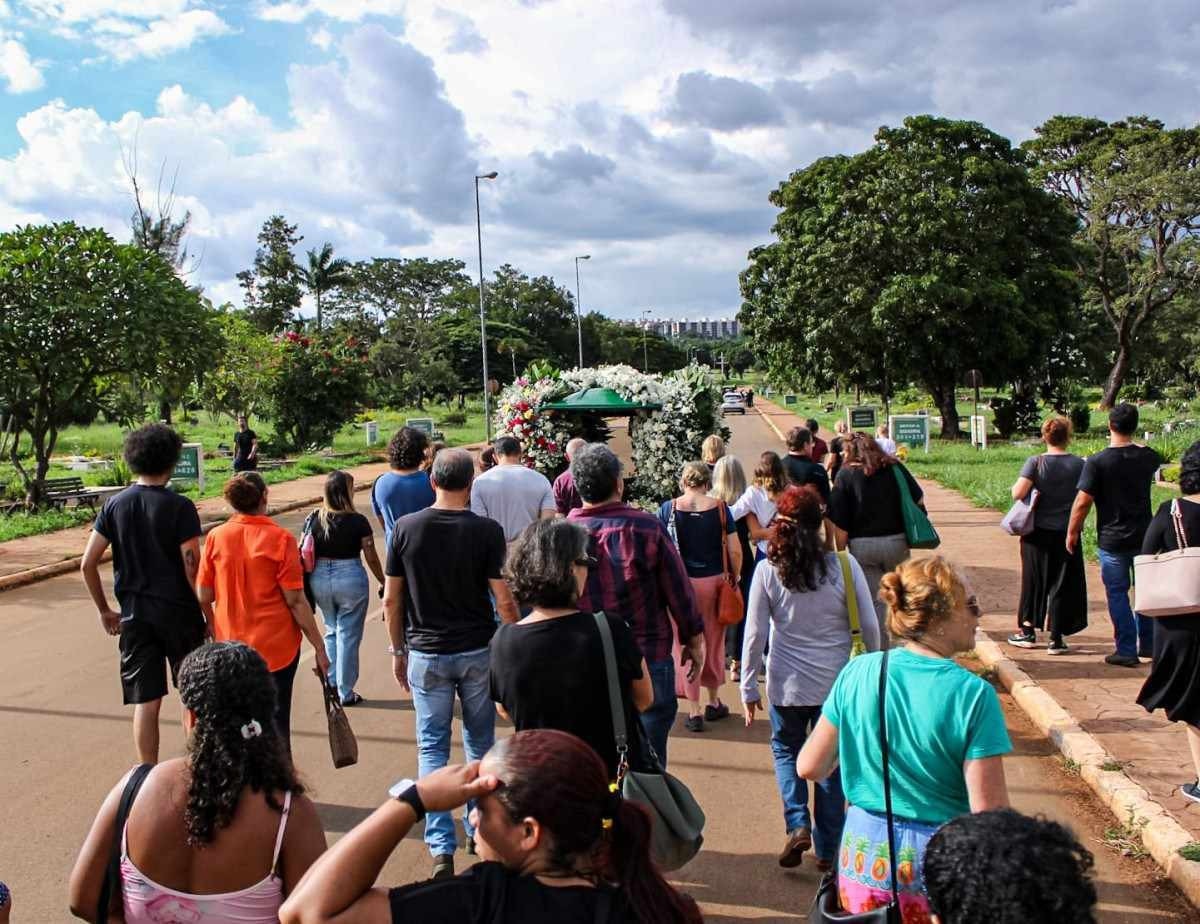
(155, 539)
(441, 564)
(245, 447)
(1117, 480)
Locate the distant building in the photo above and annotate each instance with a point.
(706, 328)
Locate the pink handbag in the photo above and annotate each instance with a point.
(1168, 583)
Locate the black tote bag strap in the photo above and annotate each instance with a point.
(615, 703)
(887, 781)
(112, 875)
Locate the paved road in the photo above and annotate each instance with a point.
(66, 739)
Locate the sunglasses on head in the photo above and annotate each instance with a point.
(973, 606)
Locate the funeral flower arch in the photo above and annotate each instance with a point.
(662, 440)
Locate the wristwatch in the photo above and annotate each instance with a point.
(406, 791)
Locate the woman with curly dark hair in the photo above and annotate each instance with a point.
(1174, 681)
(223, 834)
(801, 597)
(1041, 875)
(557, 846)
(547, 671)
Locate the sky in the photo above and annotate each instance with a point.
(646, 133)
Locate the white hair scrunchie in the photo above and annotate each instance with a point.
(251, 729)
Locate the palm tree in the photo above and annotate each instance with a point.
(512, 346)
(324, 273)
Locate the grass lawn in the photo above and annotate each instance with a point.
(104, 441)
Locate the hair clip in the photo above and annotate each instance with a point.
(251, 729)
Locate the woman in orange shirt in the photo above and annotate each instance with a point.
(251, 588)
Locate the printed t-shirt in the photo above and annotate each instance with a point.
(865, 505)
(491, 892)
(512, 495)
(1055, 477)
(699, 538)
(802, 470)
(446, 558)
(394, 495)
(248, 562)
(938, 716)
(146, 525)
(344, 539)
(1119, 478)
(552, 674)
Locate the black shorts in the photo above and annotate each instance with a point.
(147, 647)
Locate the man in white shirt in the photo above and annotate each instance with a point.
(512, 494)
(884, 440)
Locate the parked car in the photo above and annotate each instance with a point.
(733, 402)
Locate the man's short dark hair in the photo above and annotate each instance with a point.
(407, 448)
(453, 470)
(507, 445)
(813, 426)
(596, 471)
(798, 438)
(153, 450)
(1123, 419)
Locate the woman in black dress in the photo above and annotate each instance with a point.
(1052, 579)
(1174, 681)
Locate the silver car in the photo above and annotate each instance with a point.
(733, 402)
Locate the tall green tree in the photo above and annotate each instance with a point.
(274, 285)
(324, 273)
(1134, 189)
(79, 310)
(239, 382)
(929, 254)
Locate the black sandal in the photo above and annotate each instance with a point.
(353, 699)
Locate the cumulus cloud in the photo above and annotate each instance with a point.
(465, 37)
(126, 41)
(723, 103)
(126, 30)
(293, 11)
(20, 73)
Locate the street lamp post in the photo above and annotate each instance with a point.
(579, 307)
(487, 412)
(645, 355)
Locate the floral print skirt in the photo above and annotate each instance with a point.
(865, 865)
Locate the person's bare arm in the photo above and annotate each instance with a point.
(307, 621)
(303, 842)
(1021, 488)
(371, 556)
(986, 788)
(506, 603)
(757, 531)
(819, 755)
(190, 551)
(91, 866)
(97, 545)
(393, 610)
(548, 514)
(643, 690)
(502, 712)
(207, 598)
(735, 554)
(841, 538)
(1079, 513)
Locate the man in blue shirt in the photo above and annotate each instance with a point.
(405, 488)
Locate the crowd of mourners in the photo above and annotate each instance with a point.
(492, 577)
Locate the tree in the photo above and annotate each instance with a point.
(80, 309)
(926, 255)
(1134, 189)
(240, 380)
(322, 383)
(273, 285)
(512, 346)
(324, 273)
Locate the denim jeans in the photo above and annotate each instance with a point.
(658, 719)
(339, 585)
(435, 679)
(790, 727)
(1132, 633)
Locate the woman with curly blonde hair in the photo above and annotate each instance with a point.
(944, 729)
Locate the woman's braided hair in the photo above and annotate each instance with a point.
(227, 687)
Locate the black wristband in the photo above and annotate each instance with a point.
(412, 798)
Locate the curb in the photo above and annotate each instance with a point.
(770, 423)
(1162, 835)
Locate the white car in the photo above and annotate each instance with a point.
(733, 402)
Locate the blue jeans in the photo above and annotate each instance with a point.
(340, 588)
(790, 727)
(658, 719)
(1132, 633)
(435, 679)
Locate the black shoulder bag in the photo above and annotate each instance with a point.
(825, 908)
(112, 875)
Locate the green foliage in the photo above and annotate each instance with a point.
(273, 285)
(1018, 414)
(929, 254)
(241, 378)
(324, 273)
(1081, 419)
(453, 419)
(322, 382)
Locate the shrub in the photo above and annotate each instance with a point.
(453, 419)
(1171, 473)
(1081, 419)
(322, 383)
(1018, 414)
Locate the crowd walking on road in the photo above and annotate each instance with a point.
(583, 621)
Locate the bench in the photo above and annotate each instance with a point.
(270, 465)
(58, 491)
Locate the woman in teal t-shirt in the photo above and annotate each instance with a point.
(945, 736)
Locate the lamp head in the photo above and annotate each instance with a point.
(487, 176)
(586, 256)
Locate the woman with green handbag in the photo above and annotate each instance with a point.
(816, 605)
(874, 506)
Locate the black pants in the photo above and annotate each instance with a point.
(284, 679)
(1053, 585)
